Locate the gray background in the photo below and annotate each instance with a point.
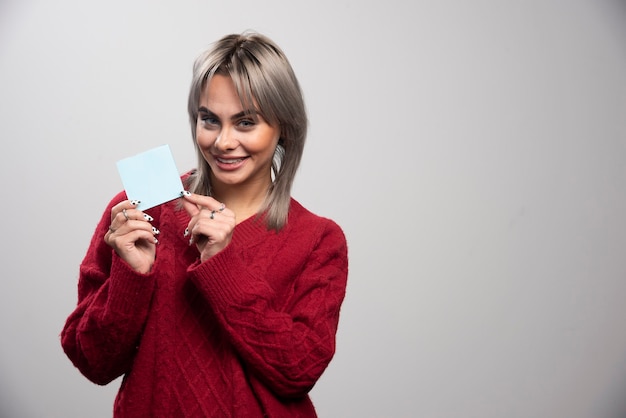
(474, 153)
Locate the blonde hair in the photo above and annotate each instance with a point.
(263, 76)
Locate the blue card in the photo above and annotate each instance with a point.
(151, 177)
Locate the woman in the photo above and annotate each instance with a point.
(233, 310)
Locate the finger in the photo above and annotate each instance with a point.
(212, 225)
(134, 214)
(135, 225)
(202, 201)
(121, 207)
(191, 208)
(209, 219)
(128, 236)
(131, 240)
(125, 204)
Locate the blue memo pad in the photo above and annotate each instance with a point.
(151, 177)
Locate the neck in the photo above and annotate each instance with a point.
(244, 199)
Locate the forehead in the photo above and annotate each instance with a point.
(219, 89)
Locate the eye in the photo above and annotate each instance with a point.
(208, 120)
(246, 123)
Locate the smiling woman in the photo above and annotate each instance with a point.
(254, 77)
(233, 311)
(238, 145)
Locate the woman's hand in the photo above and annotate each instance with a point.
(211, 226)
(132, 236)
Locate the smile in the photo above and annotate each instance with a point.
(230, 164)
(229, 160)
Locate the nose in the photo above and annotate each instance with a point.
(226, 140)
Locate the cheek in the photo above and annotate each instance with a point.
(268, 141)
(264, 147)
(204, 139)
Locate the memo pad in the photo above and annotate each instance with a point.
(151, 177)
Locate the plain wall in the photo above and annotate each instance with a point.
(473, 152)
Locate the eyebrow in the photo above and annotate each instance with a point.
(251, 112)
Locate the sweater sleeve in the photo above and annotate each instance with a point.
(100, 336)
(286, 344)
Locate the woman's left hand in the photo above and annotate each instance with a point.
(211, 226)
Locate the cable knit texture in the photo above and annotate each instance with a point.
(244, 334)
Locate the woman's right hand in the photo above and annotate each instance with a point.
(132, 236)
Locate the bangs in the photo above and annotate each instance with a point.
(253, 80)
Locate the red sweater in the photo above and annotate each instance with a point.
(245, 334)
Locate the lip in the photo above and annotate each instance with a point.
(229, 163)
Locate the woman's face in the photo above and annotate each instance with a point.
(237, 143)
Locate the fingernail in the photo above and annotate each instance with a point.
(135, 202)
(155, 231)
(148, 217)
(185, 193)
(156, 241)
(186, 232)
(190, 240)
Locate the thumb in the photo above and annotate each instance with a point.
(191, 208)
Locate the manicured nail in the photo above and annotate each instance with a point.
(135, 202)
(148, 217)
(186, 232)
(156, 241)
(191, 241)
(155, 231)
(185, 193)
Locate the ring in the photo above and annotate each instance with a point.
(212, 214)
(125, 214)
(222, 207)
(111, 229)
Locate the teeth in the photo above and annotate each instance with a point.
(223, 161)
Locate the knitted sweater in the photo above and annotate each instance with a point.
(245, 334)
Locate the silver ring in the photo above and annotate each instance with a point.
(125, 214)
(111, 229)
(212, 214)
(222, 207)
